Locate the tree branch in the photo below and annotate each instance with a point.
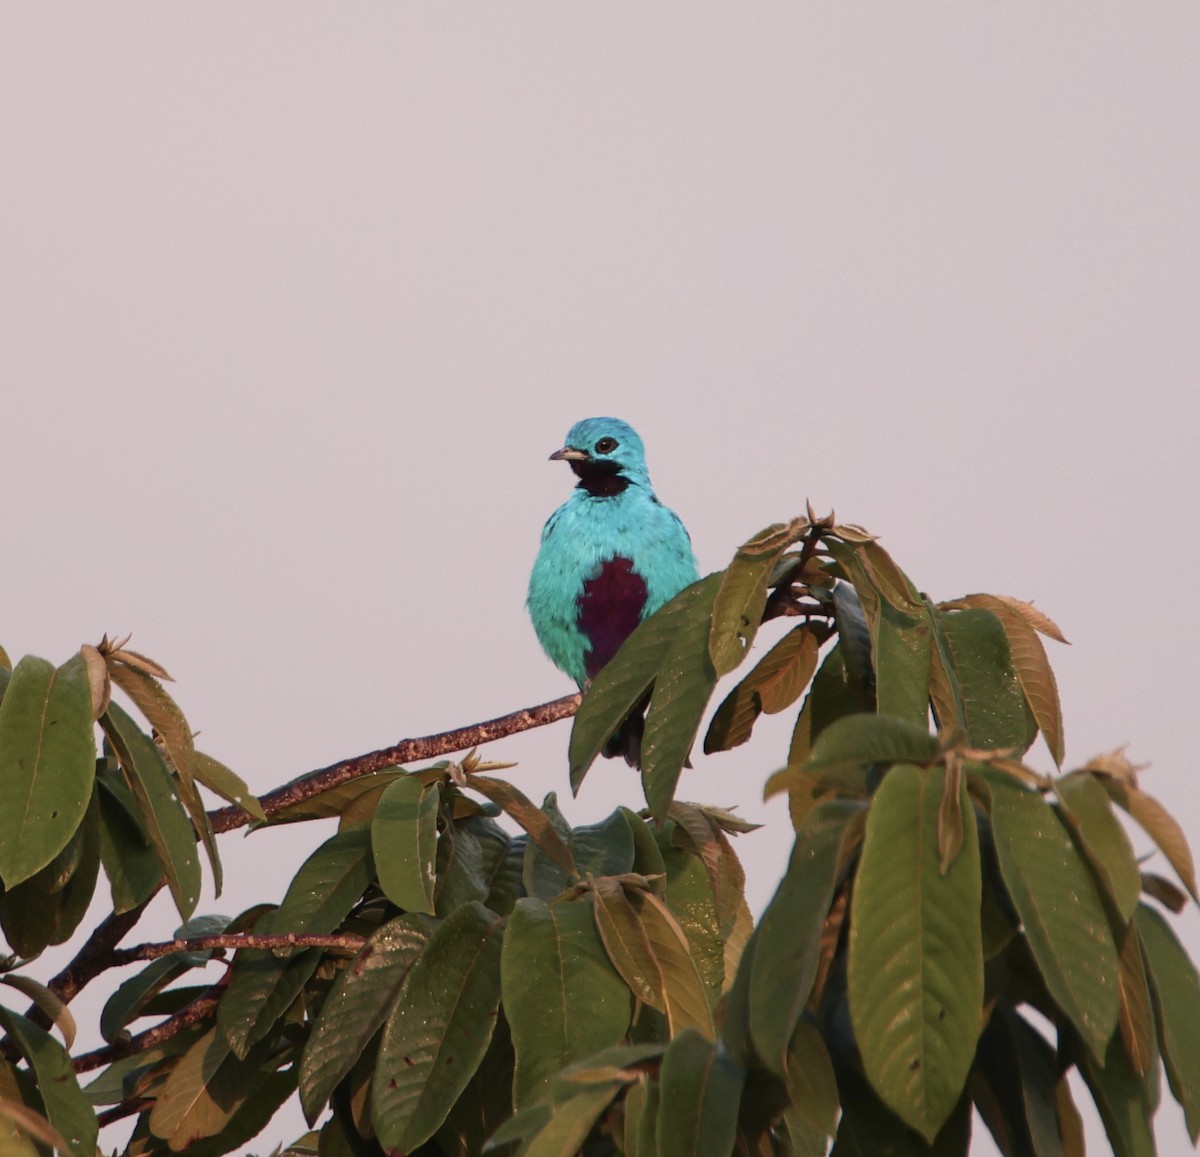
(91, 960)
(203, 1006)
(237, 941)
(406, 751)
(97, 953)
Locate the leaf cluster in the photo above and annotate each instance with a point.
(458, 970)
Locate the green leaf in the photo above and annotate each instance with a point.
(811, 1083)
(1176, 986)
(868, 1128)
(855, 619)
(1123, 1100)
(692, 898)
(337, 800)
(212, 1100)
(945, 692)
(1136, 1017)
(517, 806)
(459, 874)
(700, 1090)
(543, 876)
(741, 597)
(131, 864)
(915, 961)
(831, 696)
(404, 843)
(787, 944)
(605, 848)
(263, 985)
(47, 908)
(1022, 1077)
(257, 1099)
(1059, 905)
(126, 1004)
(439, 1029)
(357, 1006)
(775, 683)
(994, 706)
(645, 1137)
(47, 763)
(562, 996)
(1088, 814)
(485, 1103)
(1158, 823)
(570, 1120)
(626, 943)
(227, 784)
(67, 1109)
(20, 1126)
(199, 1096)
(686, 994)
(165, 821)
(1033, 668)
(893, 585)
(622, 682)
(138, 1069)
(681, 693)
(174, 734)
(873, 739)
(647, 855)
(902, 666)
(47, 1002)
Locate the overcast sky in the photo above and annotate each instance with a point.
(296, 299)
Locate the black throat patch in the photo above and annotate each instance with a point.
(600, 479)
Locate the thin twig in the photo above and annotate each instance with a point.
(406, 751)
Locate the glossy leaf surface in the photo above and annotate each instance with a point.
(562, 996)
(404, 843)
(439, 1029)
(1059, 905)
(47, 763)
(916, 964)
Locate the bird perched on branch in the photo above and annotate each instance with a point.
(611, 555)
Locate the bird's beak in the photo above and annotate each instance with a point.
(569, 454)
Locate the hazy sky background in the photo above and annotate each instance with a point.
(296, 299)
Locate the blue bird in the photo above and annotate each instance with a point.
(611, 555)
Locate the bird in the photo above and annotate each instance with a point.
(610, 556)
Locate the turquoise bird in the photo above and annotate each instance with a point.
(611, 555)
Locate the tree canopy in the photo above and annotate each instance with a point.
(458, 970)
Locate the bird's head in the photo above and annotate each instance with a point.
(606, 454)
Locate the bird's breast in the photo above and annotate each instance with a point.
(610, 606)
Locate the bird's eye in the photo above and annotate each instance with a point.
(606, 445)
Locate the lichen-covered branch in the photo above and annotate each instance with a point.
(406, 751)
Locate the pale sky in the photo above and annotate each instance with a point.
(296, 299)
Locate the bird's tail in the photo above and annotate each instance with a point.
(627, 739)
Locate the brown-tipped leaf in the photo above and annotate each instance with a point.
(1031, 664)
(520, 808)
(775, 683)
